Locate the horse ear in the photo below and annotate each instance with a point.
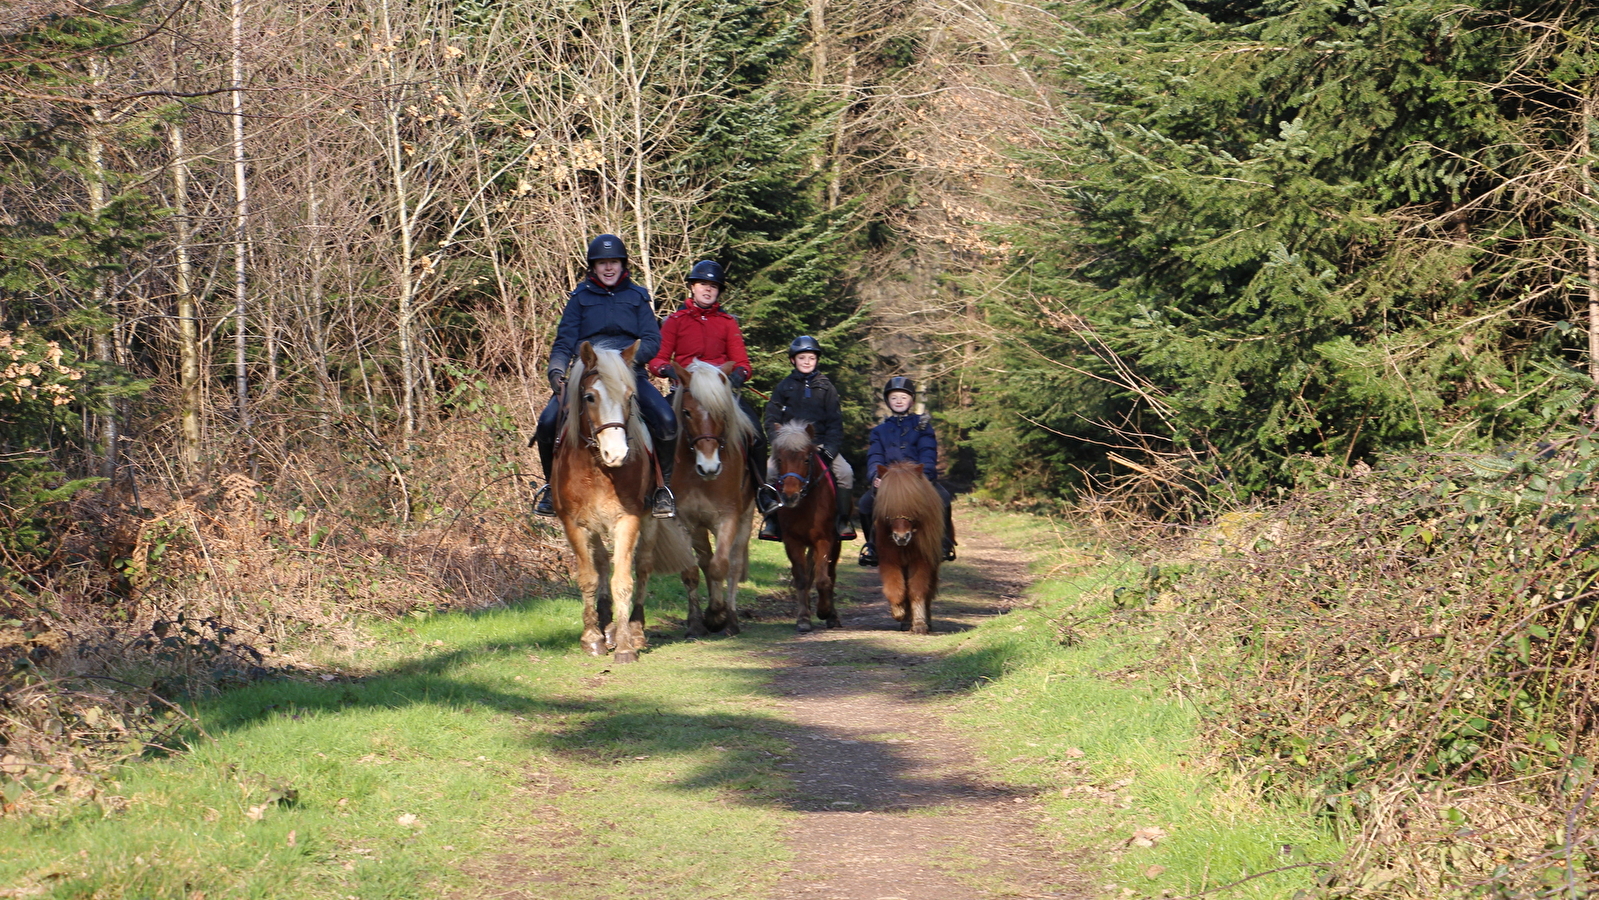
(728, 367)
(881, 470)
(585, 352)
(810, 431)
(630, 352)
(680, 372)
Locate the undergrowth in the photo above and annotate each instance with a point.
(1413, 648)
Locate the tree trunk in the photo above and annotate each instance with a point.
(189, 354)
(104, 340)
(241, 237)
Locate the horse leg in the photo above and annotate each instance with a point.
(717, 575)
(800, 566)
(826, 557)
(697, 626)
(736, 538)
(626, 535)
(588, 581)
(919, 587)
(893, 575)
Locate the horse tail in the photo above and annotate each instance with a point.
(666, 547)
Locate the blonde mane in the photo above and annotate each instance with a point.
(617, 376)
(906, 493)
(791, 437)
(714, 394)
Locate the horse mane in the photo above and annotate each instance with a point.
(906, 492)
(617, 376)
(791, 437)
(714, 394)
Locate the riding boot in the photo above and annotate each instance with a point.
(949, 533)
(846, 515)
(769, 529)
(663, 505)
(868, 555)
(543, 502)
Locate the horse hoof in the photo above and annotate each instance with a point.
(715, 621)
(625, 656)
(594, 648)
(698, 631)
(835, 622)
(920, 628)
(803, 626)
(732, 627)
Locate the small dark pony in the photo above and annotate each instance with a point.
(908, 529)
(808, 520)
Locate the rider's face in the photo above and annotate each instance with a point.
(704, 293)
(805, 362)
(608, 271)
(899, 402)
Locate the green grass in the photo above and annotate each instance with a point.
(481, 737)
(1111, 750)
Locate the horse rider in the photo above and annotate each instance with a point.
(703, 330)
(808, 395)
(610, 311)
(902, 436)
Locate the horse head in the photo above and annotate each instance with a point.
(794, 448)
(604, 400)
(901, 528)
(707, 410)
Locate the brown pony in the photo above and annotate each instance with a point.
(808, 520)
(714, 494)
(908, 529)
(602, 482)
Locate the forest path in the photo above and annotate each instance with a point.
(892, 801)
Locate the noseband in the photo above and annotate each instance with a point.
(908, 534)
(592, 439)
(804, 480)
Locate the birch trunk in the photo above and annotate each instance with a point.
(104, 339)
(241, 235)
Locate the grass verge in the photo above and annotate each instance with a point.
(1060, 697)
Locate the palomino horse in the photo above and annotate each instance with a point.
(604, 476)
(808, 520)
(714, 494)
(908, 529)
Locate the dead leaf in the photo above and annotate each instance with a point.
(256, 813)
(1154, 872)
(409, 821)
(1075, 753)
(290, 839)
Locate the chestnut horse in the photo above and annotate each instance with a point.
(808, 520)
(604, 476)
(714, 494)
(908, 530)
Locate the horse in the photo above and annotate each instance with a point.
(714, 494)
(908, 530)
(604, 476)
(808, 520)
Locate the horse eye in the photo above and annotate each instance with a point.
(589, 397)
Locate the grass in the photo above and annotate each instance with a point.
(480, 737)
(1112, 751)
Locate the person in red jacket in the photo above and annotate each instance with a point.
(703, 330)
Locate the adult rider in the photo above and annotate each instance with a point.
(610, 311)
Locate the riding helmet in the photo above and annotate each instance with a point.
(899, 383)
(707, 270)
(606, 246)
(804, 344)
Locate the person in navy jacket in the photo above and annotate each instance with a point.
(899, 437)
(610, 311)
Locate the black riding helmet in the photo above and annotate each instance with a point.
(804, 344)
(607, 246)
(899, 383)
(707, 270)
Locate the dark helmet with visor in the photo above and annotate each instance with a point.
(804, 344)
(899, 383)
(707, 270)
(606, 246)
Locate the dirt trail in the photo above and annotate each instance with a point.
(894, 805)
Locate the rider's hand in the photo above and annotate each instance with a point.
(737, 378)
(557, 381)
(876, 482)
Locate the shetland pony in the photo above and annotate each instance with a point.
(714, 494)
(604, 476)
(808, 520)
(908, 530)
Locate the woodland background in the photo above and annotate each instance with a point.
(277, 281)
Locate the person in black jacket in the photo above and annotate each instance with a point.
(610, 311)
(900, 437)
(808, 395)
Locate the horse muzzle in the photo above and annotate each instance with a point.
(903, 538)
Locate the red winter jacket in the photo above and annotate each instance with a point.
(693, 333)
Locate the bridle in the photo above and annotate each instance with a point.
(804, 480)
(908, 534)
(592, 438)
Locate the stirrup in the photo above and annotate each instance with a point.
(663, 505)
(767, 499)
(769, 530)
(868, 556)
(949, 554)
(544, 503)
